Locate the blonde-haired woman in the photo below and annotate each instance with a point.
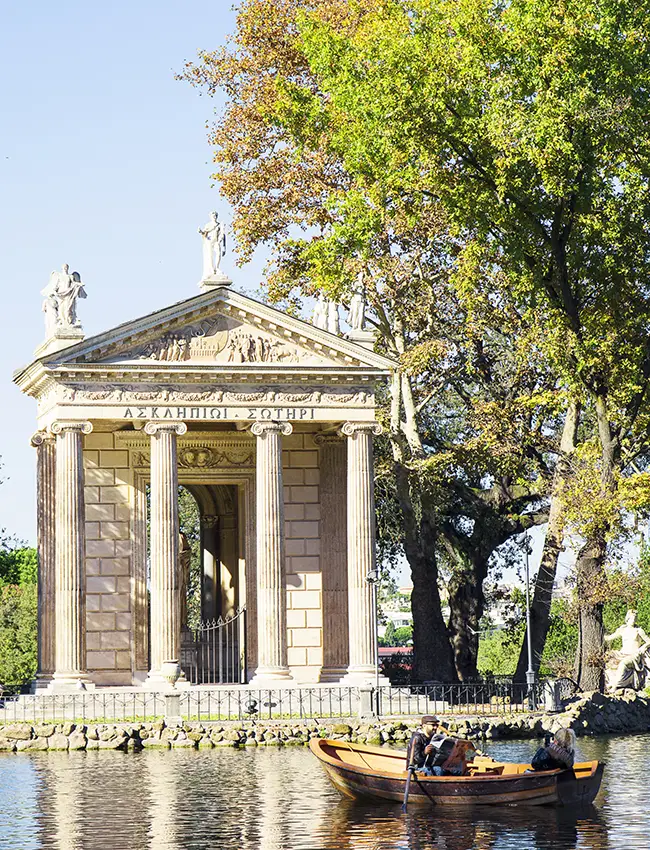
(558, 752)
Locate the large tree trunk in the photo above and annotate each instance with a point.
(540, 609)
(465, 612)
(432, 653)
(590, 579)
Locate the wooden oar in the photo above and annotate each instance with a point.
(411, 771)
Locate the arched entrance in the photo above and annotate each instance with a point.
(213, 623)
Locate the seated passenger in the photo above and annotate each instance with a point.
(556, 753)
(421, 746)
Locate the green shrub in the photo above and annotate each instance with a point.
(18, 646)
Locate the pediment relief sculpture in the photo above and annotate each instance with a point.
(217, 339)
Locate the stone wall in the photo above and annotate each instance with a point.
(109, 639)
(592, 714)
(302, 515)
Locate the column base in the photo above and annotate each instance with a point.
(357, 676)
(332, 675)
(41, 682)
(68, 683)
(270, 676)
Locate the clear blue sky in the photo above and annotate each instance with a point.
(104, 164)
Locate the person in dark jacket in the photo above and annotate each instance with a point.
(421, 746)
(557, 752)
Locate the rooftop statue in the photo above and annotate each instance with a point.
(214, 246)
(319, 316)
(60, 304)
(357, 314)
(629, 666)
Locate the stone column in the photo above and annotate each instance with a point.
(45, 445)
(271, 583)
(165, 579)
(210, 596)
(333, 553)
(70, 651)
(361, 550)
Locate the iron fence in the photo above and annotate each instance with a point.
(276, 703)
(245, 702)
(482, 698)
(215, 653)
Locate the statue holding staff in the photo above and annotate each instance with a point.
(214, 246)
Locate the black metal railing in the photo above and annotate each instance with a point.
(482, 698)
(215, 653)
(299, 702)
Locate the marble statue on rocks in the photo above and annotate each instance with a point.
(60, 304)
(628, 667)
(357, 313)
(214, 246)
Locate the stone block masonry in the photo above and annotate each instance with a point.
(302, 514)
(108, 560)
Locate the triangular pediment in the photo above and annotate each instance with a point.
(222, 329)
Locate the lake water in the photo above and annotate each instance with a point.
(280, 799)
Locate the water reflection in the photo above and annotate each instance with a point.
(268, 799)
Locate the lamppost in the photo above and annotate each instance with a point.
(530, 672)
(373, 578)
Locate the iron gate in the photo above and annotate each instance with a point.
(215, 653)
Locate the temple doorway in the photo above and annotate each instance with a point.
(210, 584)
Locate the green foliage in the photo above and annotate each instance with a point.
(629, 589)
(499, 648)
(18, 616)
(402, 636)
(561, 641)
(18, 566)
(498, 651)
(18, 634)
(389, 635)
(189, 520)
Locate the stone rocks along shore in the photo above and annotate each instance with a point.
(588, 714)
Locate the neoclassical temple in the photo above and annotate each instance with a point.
(269, 422)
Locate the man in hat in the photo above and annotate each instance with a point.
(422, 746)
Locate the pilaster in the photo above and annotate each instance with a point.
(333, 549)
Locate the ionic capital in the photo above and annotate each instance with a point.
(39, 438)
(165, 427)
(260, 429)
(62, 425)
(352, 429)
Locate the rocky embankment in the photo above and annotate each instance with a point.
(589, 714)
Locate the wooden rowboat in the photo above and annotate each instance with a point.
(361, 771)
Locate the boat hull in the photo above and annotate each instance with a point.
(370, 773)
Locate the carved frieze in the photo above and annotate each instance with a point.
(203, 457)
(132, 393)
